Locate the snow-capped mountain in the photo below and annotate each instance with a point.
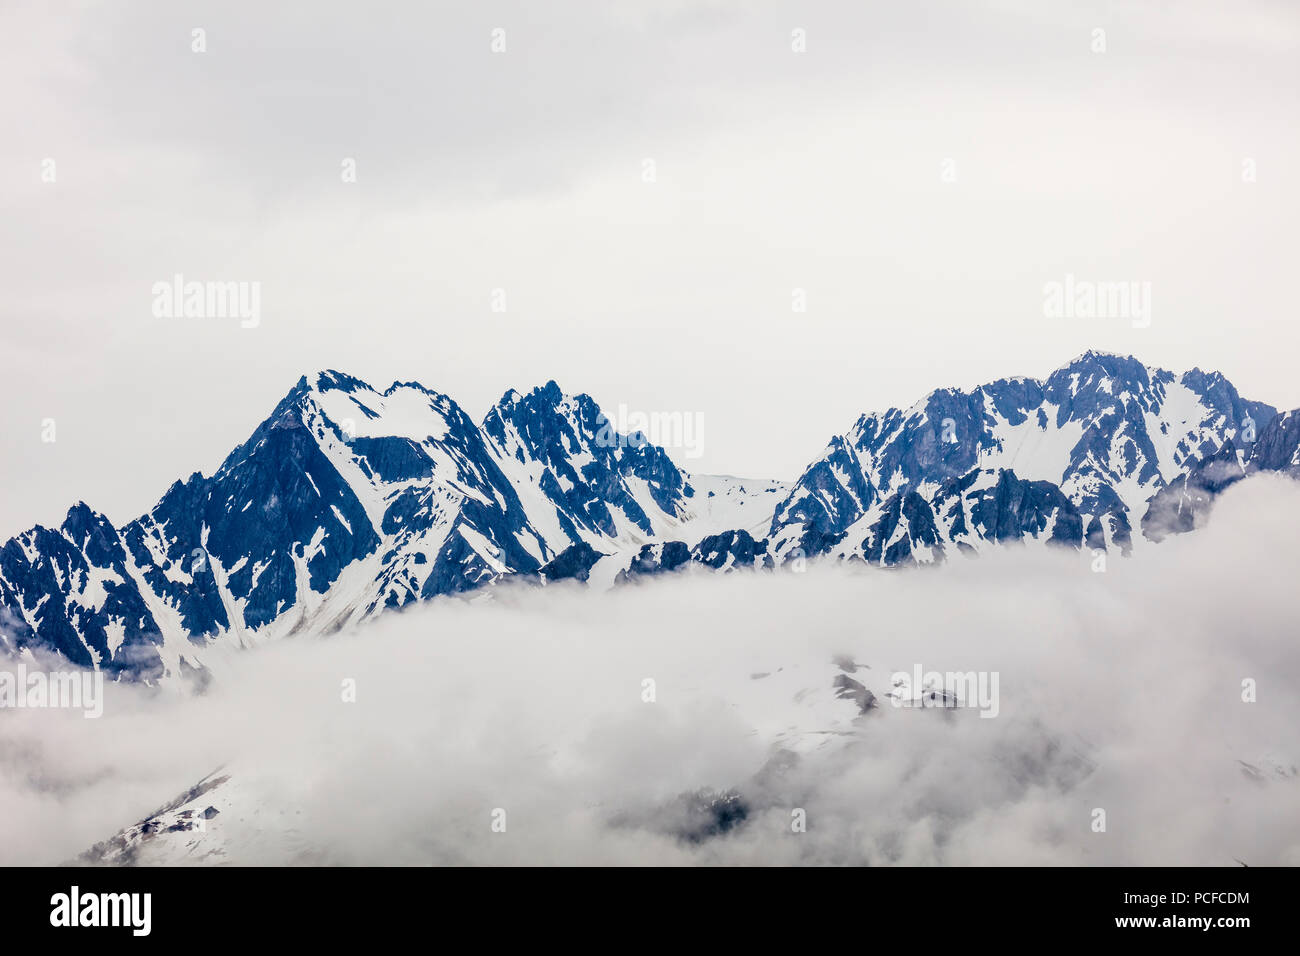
(349, 501)
(1071, 459)
(344, 502)
(563, 457)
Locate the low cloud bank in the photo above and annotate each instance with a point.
(1119, 691)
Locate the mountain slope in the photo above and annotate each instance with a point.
(348, 501)
(1105, 432)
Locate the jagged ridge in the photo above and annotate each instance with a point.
(348, 501)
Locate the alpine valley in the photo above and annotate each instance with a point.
(349, 502)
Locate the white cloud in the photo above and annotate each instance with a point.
(1119, 690)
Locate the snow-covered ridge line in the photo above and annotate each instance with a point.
(1086, 447)
(345, 502)
(348, 501)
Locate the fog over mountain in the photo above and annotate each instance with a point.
(1118, 690)
(349, 501)
(661, 432)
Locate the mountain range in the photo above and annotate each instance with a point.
(348, 502)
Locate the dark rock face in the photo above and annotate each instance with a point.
(846, 688)
(730, 549)
(586, 461)
(706, 815)
(1018, 508)
(693, 817)
(727, 551)
(1278, 448)
(652, 558)
(884, 545)
(574, 563)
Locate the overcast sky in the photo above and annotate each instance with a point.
(525, 171)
